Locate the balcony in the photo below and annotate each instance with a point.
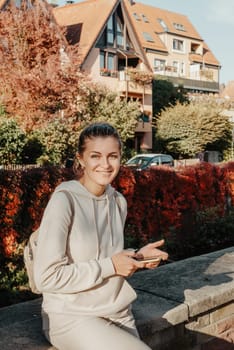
(135, 81)
(166, 70)
(131, 87)
(191, 84)
(108, 73)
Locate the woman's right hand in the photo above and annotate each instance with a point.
(124, 263)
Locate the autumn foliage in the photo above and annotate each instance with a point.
(161, 201)
(39, 73)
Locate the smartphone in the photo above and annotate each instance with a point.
(149, 259)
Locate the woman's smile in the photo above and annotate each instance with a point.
(100, 162)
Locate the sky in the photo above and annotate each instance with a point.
(214, 21)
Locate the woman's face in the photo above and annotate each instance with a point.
(101, 162)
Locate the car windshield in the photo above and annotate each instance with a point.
(139, 161)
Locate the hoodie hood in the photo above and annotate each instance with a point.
(77, 188)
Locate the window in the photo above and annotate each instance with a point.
(148, 37)
(102, 59)
(195, 48)
(179, 26)
(155, 161)
(167, 160)
(73, 33)
(145, 19)
(135, 15)
(178, 45)
(110, 61)
(113, 36)
(159, 65)
(163, 24)
(107, 60)
(182, 68)
(120, 41)
(18, 4)
(110, 31)
(175, 64)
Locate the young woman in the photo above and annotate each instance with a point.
(80, 266)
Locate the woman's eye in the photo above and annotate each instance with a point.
(114, 156)
(95, 156)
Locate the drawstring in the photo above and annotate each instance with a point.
(108, 219)
(95, 223)
(108, 223)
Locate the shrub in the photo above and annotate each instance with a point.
(192, 208)
(12, 141)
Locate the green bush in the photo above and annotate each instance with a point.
(12, 141)
(212, 232)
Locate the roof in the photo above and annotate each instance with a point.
(87, 19)
(156, 21)
(90, 17)
(146, 18)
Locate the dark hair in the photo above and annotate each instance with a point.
(102, 129)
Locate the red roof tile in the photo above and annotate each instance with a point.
(153, 27)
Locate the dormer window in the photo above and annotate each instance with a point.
(163, 24)
(145, 19)
(148, 37)
(179, 26)
(135, 15)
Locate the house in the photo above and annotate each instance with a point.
(174, 49)
(110, 51)
(124, 44)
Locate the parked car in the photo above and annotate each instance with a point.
(146, 160)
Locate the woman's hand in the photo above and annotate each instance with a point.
(124, 263)
(151, 249)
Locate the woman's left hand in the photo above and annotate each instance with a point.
(151, 249)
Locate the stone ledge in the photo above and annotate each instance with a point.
(196, 284)
(168, 298)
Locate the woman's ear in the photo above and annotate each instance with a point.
(79, 160)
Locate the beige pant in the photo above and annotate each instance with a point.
(72, 332)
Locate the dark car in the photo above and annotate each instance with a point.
(146, 160)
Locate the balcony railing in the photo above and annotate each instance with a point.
(108, 73)
(192, 84)
(129, 82)
(130, 86)
(136, 81)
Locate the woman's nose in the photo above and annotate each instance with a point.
(105, 162)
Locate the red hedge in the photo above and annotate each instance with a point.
(160, 200)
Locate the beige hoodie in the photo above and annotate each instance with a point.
(78, 235)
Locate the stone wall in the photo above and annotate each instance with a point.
(186, 305)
